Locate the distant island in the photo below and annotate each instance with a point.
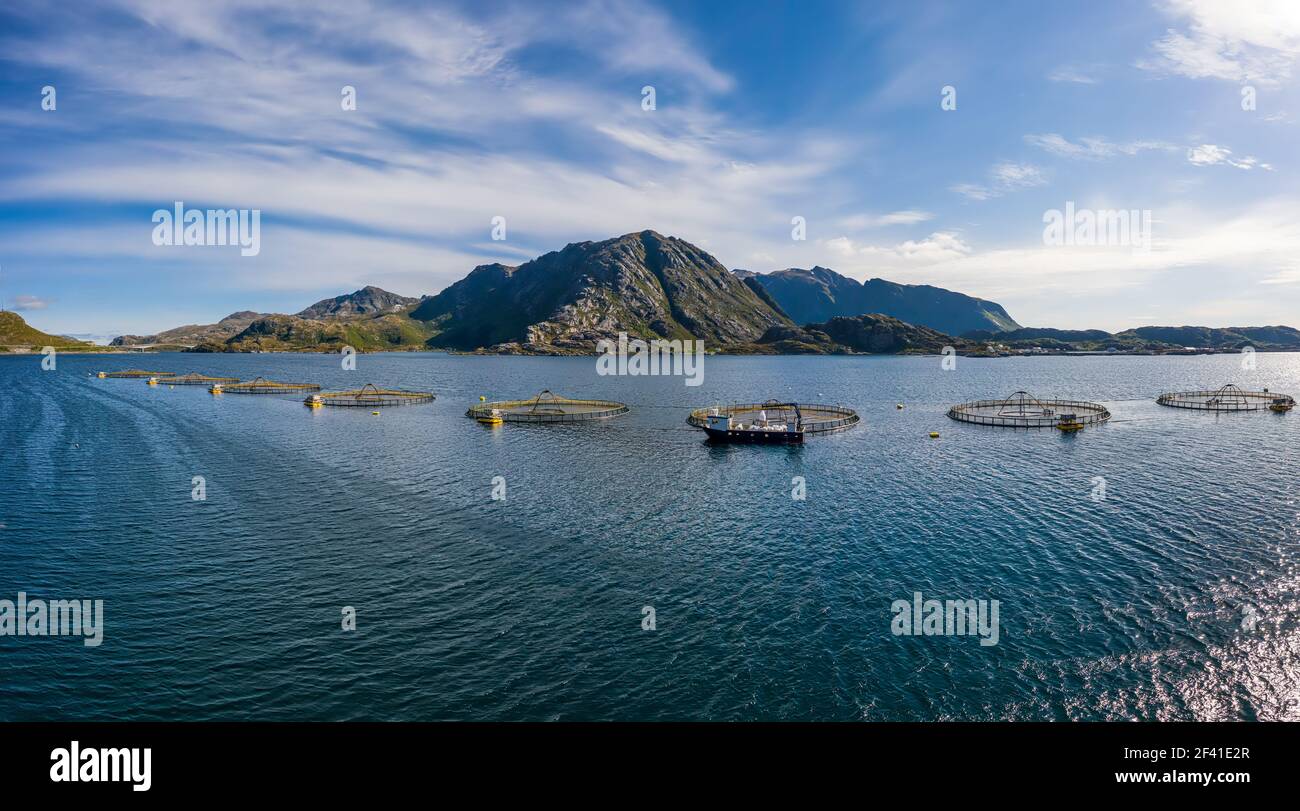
(655, 287)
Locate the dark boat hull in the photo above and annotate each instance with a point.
(755, 437)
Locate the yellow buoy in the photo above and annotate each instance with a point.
(376, 413)
(934, 435)
(103, 375)
(482, 399)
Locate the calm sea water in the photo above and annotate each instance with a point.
(1137, 606)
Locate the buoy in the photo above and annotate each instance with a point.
(482, 399)
(934, 435)
(103, 375)
(899, 406)
(376, 413)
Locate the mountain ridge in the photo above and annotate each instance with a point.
(654, 286)
(816, 294)
(642, 283)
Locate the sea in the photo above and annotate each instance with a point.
(259, 560)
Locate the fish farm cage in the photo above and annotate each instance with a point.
(817, 418)
(260, 385)
(369, 396)
(1023, 410)
(194, 379)
(548, 407)
(1228, 398)
(133, 373)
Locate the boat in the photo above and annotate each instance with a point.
(1281, 405)
(314, 401)
(1068, 423)
(780, 430)
(492, 417)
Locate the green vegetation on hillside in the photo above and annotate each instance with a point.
(16, 334)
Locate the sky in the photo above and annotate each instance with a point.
(922, 142)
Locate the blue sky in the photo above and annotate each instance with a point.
(764, 112)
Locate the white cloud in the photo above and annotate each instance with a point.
(1004, 177)
(1220, 267)
(904, 217)
(1253, 41)
(1093, 147)
(1066, 73)
(1211, 155)
(28, 303)
(908, 217)
(1287, 276)
(939, 246)
(450, 130)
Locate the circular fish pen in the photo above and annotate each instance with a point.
(369, 396)
(1023, 410)
(260, 385)
(195, 379)
(1228, 398)
(817, 418)
(128, 373)
(547, 407)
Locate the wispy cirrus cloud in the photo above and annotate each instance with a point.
(1213, 155)
(1093, 147)
(1003, 178)
(455, 123)
(1256, 41)
(937, 247)
(1075, 75)
(29, 303)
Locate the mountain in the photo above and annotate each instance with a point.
(1040, 334)
(1219, 338)
(644, 284)
(17, 336)
(816, 295)
(1146, 339)
(289, 333)
(652, 286)
(192, 334)
(369, 300)
(870, 334)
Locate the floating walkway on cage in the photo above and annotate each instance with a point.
(1228, 398)
(816, 418)
(547, 407)
(133, 373)
(260, 385)
(194, 379)
(1023, 410)
(369, 396)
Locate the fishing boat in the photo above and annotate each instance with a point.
(1281, 405)
(778, 429)
(1069, 423)
(492, 417)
